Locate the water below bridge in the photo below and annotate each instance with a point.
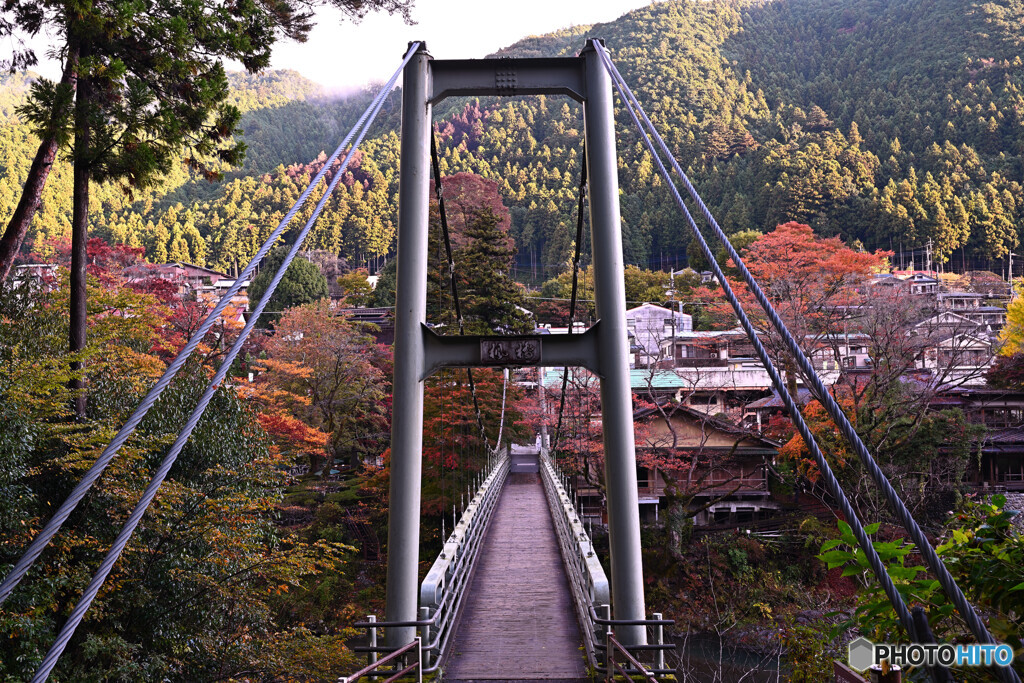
(518, 622)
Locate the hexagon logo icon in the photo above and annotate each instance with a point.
(861, 654)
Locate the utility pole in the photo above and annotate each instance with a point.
(928, 254)
(1010, 277)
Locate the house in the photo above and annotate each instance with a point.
(381, 321)
(959, 356)
(959, 301)
(722, 468)
(758, 414)
(692, 349)
(919, 282)
(1001, 465)
(189, 278)
(36, 274)
(212, 293)
(833, 352)
(650, 325)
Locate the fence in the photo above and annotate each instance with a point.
(445, 584)
(589, 585)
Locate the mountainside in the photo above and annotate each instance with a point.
(888, 122)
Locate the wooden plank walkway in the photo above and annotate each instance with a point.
(518, 622)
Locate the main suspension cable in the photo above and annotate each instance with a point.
(575, 282)
(439, 191)
(69, 627)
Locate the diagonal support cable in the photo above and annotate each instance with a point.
(917, 535)
(69, 627)
(439, 191)
(575, 283)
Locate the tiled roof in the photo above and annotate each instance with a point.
(1010, 435)
(774, 401)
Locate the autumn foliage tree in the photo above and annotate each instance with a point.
(454, 448)
(193, 595)
(812, 283)
(330, 373)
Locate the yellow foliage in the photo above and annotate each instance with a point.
(1011, 337)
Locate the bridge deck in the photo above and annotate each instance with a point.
(518, 621)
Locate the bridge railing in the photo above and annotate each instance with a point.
(445, 584)
(588, 582)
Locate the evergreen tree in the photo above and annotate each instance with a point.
(492, 302)
(302, 283)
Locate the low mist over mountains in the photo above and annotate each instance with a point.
(892, 123)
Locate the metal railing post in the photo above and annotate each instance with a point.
(419, 656)
(424, 633)
(659, 639)
(605, 611)
(371, 656)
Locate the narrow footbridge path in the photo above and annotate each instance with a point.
(518, 621)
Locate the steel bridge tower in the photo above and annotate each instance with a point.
(603, 349)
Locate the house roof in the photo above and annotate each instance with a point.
(639, 379)
(656, 379)
(1010, 435)
(674, 409)
(192, 266)
(649, 305)
(774, 401)
(711, 334)
(947, 318)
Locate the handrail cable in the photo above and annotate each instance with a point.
(501, 422)
(68, 629)
(96, 470)
(439, 191)
(575, 283)
(917, 535)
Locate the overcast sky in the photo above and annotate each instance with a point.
(343, 55)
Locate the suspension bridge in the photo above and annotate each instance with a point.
(517, 591)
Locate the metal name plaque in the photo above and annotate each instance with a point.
(509, 351)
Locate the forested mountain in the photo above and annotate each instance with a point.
(888, 122)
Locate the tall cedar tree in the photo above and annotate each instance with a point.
(150, 85)
(491, 300)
